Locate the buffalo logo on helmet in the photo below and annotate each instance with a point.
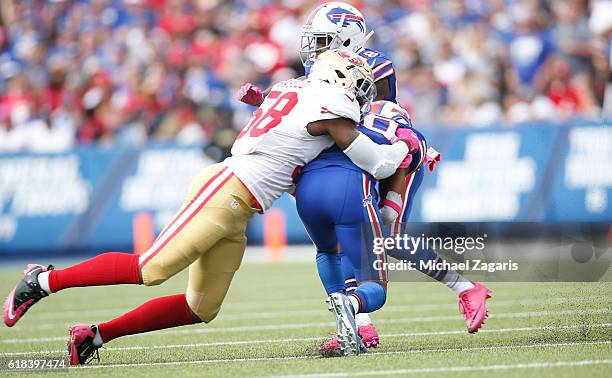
(336, 14)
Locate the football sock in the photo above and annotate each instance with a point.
(43, 281)
(350, 283)
(330, 272)
(370, 295)
(158, 313)
(354, 303)
(362, 319)
(452, 279)
(456, 282)
(97, 340)
(111, 268)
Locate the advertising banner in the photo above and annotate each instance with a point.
(86, 199)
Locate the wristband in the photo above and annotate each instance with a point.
(391, 204)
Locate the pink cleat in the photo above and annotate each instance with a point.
(331, 348)
(25, 294)
(473, 306)
(81, 347)
(369, 337)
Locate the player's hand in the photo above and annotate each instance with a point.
(409, 137)
(432, 158)
(391, 207)
(250, 94)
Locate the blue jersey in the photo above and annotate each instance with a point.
(382, 68)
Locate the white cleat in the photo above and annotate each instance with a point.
(348, 336)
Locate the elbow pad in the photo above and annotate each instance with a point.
(381, 161)
(383, 170)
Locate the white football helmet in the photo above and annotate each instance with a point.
(330, 26)
(346, 70)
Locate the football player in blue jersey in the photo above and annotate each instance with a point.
(339, 205)
(338, 25)
(335, 26)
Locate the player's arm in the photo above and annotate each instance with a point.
(380, 161)
(383, 69)
(395, 183)
(382, 89)
(391, 190)
(392, 187)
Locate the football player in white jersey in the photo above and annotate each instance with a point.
(298, 120)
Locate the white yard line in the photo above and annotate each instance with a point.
(258, 359)
(451, 369)
(388, 335)
(272, 327)
(227, 310)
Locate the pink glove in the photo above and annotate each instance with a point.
(408, 136)
(411, 139)
(432, 158)
(250, 94)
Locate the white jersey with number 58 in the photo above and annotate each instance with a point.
(269, 151)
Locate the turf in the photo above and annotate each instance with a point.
(275, 316)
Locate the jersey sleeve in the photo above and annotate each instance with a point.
(335, 102)
(380, 129)
(383, 68)
(376, 136)
(381, 65)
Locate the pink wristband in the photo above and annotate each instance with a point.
(392, 205)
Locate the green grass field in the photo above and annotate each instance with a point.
(275, 316)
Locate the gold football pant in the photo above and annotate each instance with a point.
(208, 235)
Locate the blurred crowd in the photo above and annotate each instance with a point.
(128, 71)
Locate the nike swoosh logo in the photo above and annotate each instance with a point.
(84, 352)
(351, 99)
(475, 314)
(11, 305)
(36, 270)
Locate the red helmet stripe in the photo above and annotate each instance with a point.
(347, 16)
